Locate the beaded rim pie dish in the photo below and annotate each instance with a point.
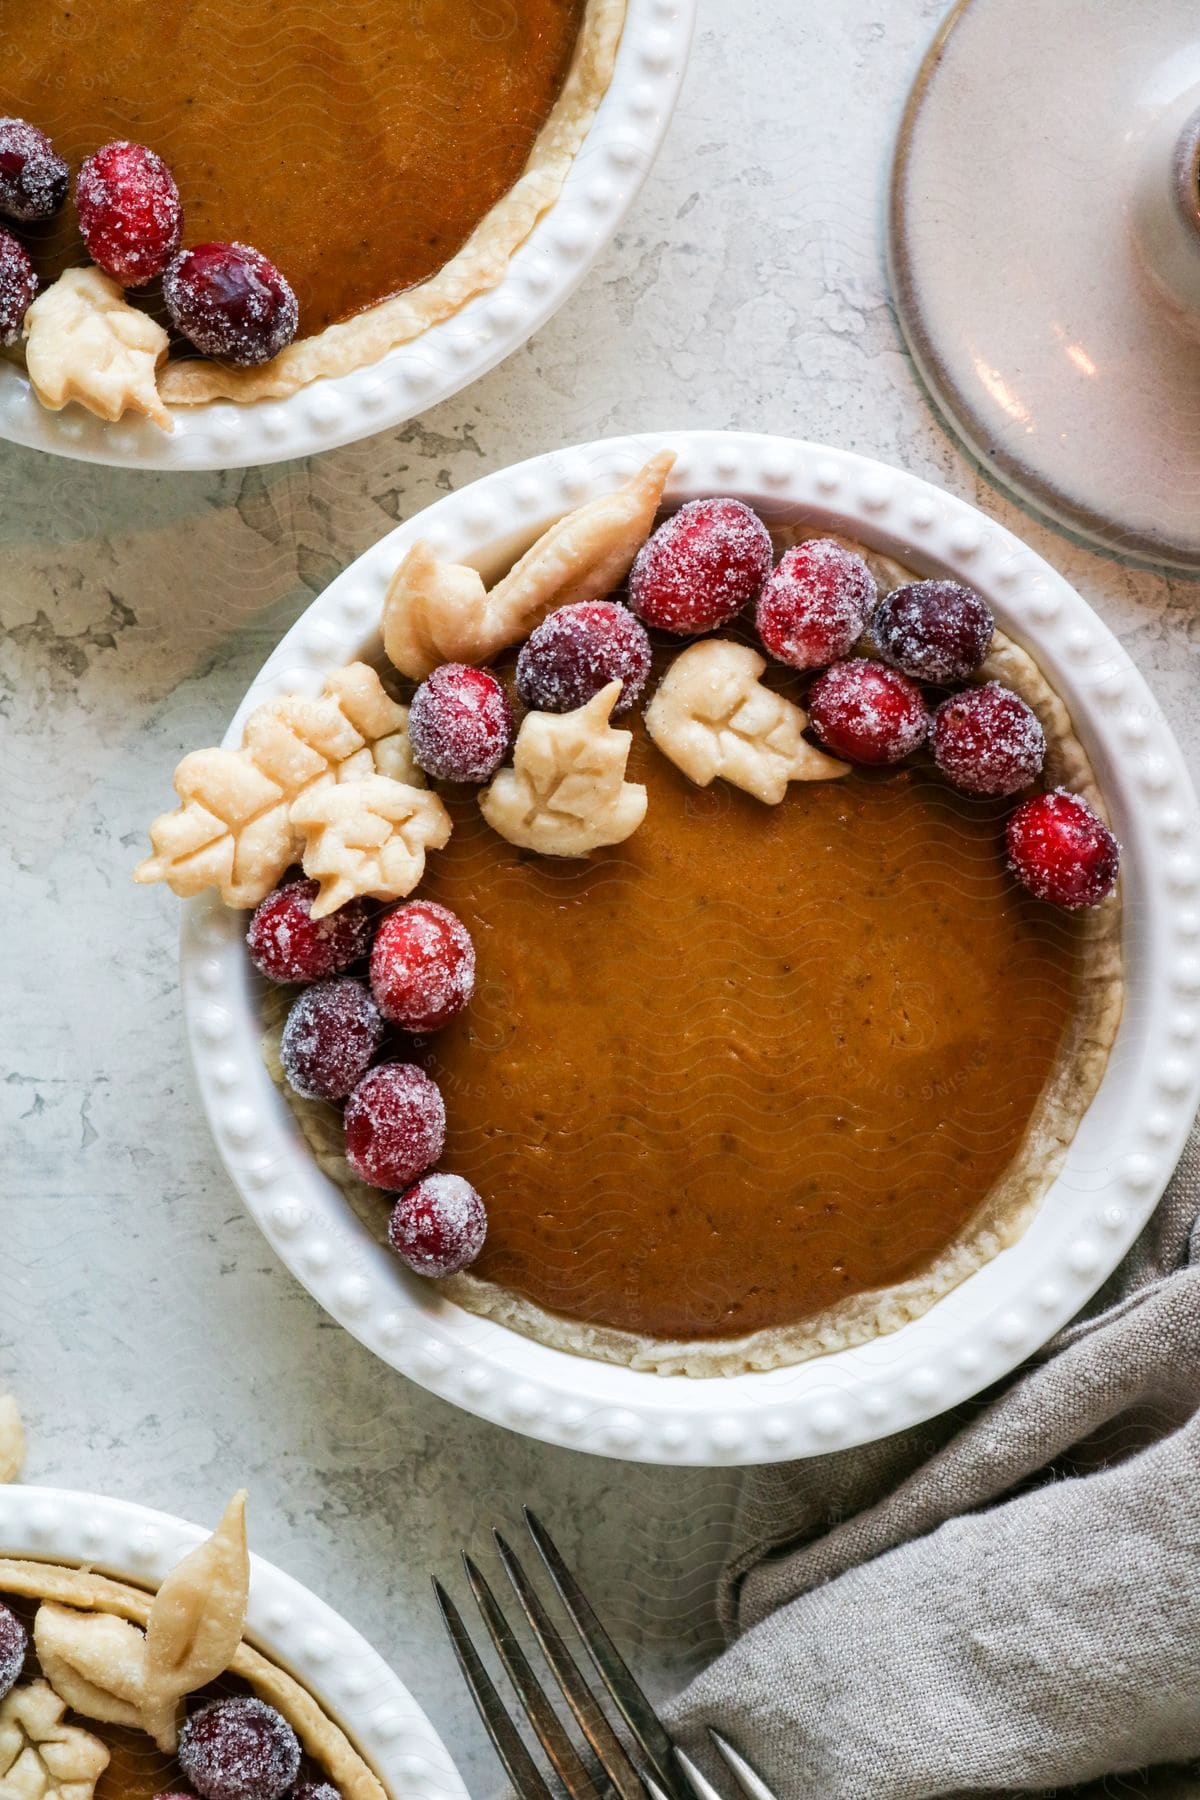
(600, 185)
(349, 1680)
(1117, 1165)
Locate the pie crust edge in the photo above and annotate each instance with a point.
(476, 268)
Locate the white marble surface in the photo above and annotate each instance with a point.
(157, 1349)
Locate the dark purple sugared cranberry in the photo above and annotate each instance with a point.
(18, 285)
(813, 607)
(700, 567)
(314, 1790)
(231, 302)
(332, 1033)
(987, 741)
(395, 1126)
(14, 1643)
(580, 649)
(33, 178)
(934, 630)
(288, 944)
(460, 724)
(867, 713)
(438, 1226)
(129, 212)
(240, 1749)
(1062, 851)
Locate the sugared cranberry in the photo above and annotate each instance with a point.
(422, 966)
(333, 1030)
(239, 1749)
(438, 1226)
(580, 649)
(288, 944)
(14, 1643)
(231, 302)
(33, 179)
(18, 285)
(395, 1126)
(314, 1790)
(1062, 851)
(129, 212)
(814, 606)
(701, 567)
(934, 630)
(987, 741)
(867, 713)
(460, 724)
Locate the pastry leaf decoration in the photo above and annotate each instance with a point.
(368, 837)
(712, 716)
(12, 1439)
(234, 830)
(436, 612)
(196, 1623)
(41, 1758)
(566, 792)
(94, 1661)
(86, 343)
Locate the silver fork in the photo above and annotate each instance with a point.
(602, 1766)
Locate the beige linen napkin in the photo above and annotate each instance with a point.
(1004, 1600)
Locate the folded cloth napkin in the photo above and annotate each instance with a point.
(1004, 1600)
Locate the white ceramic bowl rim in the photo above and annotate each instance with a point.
(609, 169)
(1117, 1166)
(284, 1620)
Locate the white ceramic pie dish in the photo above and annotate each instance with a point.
(1117, 1166)
(284, 1620)
(609, 169)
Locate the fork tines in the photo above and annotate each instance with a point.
(602, 1767)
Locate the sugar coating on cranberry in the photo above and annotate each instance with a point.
(240, 1749)
(18, 285)
(438, 1226)
(701, 567)
(288, 944)
(986, 740)
(314, 1790)
(395, 1126)
(867, 713)
(332, 1033)
(422, 966)
(934, 630)
(129, 212)
(33, 177)
(460, 723)
(14, 1643)
(230, 301)
(1062, 851)
(814, 605)
(580, 649)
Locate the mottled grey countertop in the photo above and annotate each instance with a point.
(158, 1350)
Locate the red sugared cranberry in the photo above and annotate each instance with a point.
(239, 1749)
(1062, 851)
(395, 1126)
(288, 944)
(867, 713)
(814, 606)
(231, 302)
(580, 649)
(934, 630)
(314, 1790)
(438, 1226)
(987, 741)
(422, 966)
(701, 567)
(33, 179)
(333, 1030)
(14, 1643)
(18, 285)
(460, 724)
(129, 212)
